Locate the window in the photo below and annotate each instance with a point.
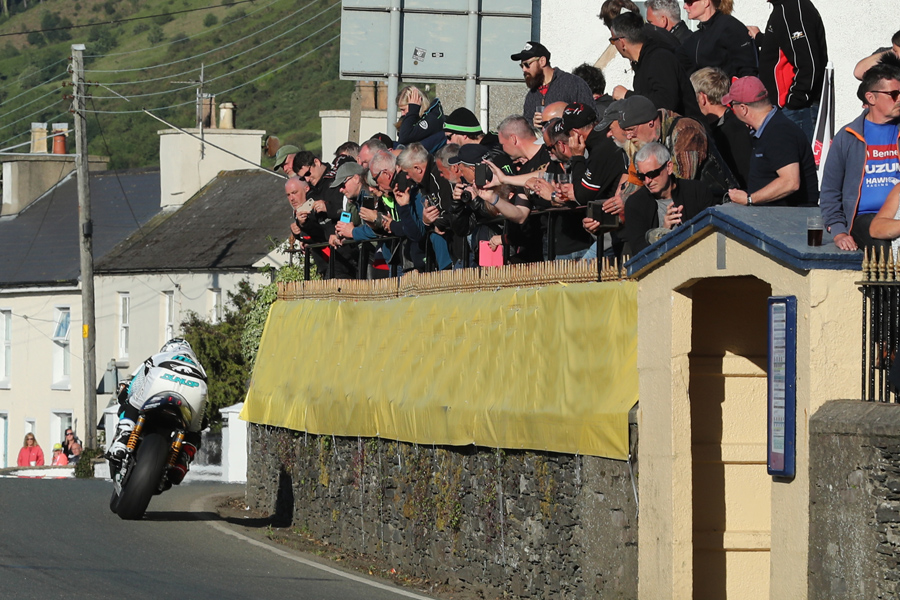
(61, 352)
(5, 347)
(124, 318)
(4, 444)
(169, 300)
(216, 309)
(60, 420)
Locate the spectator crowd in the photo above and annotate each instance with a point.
(725, 113)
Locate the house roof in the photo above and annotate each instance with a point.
(225, 226)
(40, 245)
(779, 232)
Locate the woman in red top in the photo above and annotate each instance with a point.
(31, 454)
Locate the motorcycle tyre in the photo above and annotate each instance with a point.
(144, 477)
(114, 502)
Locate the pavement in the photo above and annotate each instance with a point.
(101, 471)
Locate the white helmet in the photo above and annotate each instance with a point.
(176, 345)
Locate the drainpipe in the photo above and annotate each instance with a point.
(393, 69)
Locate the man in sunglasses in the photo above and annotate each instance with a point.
(862, 164)
(547, 84)
(664, 202)
(782, 166)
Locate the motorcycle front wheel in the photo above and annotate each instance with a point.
(150, 460)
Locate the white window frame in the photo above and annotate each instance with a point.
(62, 352)
(4, 439)
(215, 312)
(124, 324)
(169, 315)
(5, 348)
(59, 421)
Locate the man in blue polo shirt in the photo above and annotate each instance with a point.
(782, 167)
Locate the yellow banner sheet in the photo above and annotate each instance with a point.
(552, 368)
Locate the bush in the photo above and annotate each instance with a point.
(232, 17)
(163, 19)
(36, 39)
(141, 28)
(210, 20)
(84, 468)
(155, 34)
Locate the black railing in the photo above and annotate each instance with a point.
(880, 331)
(365, 247)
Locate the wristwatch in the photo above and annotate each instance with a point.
(749, 200)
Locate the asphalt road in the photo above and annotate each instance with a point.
(58, 539)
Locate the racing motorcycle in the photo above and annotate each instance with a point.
(156, 455)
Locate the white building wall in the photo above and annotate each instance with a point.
(572, 32)
(192, 293)
(30, 394)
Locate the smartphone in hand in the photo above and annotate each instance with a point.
(345, 217)
(483, 175)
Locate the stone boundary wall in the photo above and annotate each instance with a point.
(854, 529)
(518, 524)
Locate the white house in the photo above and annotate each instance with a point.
(166, 242)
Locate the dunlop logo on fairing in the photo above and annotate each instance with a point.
(181, 380)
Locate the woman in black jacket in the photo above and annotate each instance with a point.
(420, 121)
(720, 40)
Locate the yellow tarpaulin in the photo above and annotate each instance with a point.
(552, 368)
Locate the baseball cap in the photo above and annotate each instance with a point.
(612, 113)
(745, 90)
(57, 447)
(462, 120)
(470, 154)
(577, 115)
(531, 50)
(282, 154)
(346, 171)
(637, 110)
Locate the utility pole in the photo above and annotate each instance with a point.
(85, 224)
(201, 101)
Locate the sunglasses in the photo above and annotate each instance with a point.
(527, 63)
(613, 40)
(651, 174)
(894, 94)
(689, 2)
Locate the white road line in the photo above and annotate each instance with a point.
(199, 506)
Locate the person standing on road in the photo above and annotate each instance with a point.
(31, 454)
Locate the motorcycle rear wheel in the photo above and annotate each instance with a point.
(150, 460)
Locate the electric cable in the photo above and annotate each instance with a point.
(21, 106)
(180, 60)
(26, 117)
(32, 89)
(226, 59)
(204, 32)
(24, 75)
(117, 21)
(229, 74)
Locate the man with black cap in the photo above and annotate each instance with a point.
(547, 84)
(462, 127)
(597, 163)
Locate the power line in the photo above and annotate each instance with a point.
(32, 89)
(255, 79)
(20, 107)
(269, 41)
(26, 117)
(229, 74)
(175, 62)
(117, 21)
(24, 75)
(204, 32)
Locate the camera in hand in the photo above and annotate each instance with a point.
(483, 175)
(607, 221)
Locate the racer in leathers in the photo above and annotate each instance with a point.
(175, 368)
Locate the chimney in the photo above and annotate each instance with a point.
(208, 111)
(59, 138)
(226, 115)
(39, 138)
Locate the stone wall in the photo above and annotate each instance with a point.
(499, 522)
(854, 535)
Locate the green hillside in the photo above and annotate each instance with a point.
(241, 43)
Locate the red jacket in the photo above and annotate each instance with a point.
(31, 453)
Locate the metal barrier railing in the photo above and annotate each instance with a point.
(880, 326)
(365, 246)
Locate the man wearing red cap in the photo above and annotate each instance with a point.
(782, 167)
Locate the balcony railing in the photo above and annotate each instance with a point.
(880, 289)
